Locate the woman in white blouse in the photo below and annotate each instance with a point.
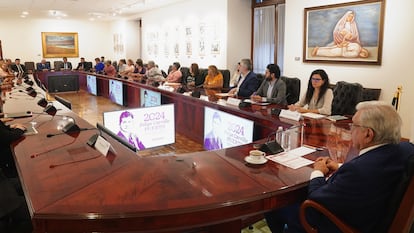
(318, 97)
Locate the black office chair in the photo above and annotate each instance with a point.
(226, 78)
(185, 71)
(346, 97)
(292, 89)
(30, 66)
(370, 94)
(63, 101)
(57, 65)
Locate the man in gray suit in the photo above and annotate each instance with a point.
(272, 89)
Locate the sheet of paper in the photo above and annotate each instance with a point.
(313, 115)
(301, 151)
(293, 158)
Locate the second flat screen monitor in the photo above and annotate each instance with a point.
(150, 98)
(91, 84)
(143, 127)
(224, 130)
(116, 92)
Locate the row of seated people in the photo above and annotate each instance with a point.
(321, 97)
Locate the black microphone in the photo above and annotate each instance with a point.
(74, 136)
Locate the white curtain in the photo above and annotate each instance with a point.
(264, 37)
(280, 36)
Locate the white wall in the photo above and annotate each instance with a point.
(228, 22)
(165, 28)
(239, 32)
(24, 39)
(397, 53)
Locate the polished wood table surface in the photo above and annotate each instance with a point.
(70, 187)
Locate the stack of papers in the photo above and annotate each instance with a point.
(293, 158)
(313, 115)
(336, 118)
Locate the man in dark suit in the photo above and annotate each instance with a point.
(43, 66)
(65, 64)
(83, 65)
(272, 89)
(8, 134)
(357, 192)
(248, 81)
(17, 67)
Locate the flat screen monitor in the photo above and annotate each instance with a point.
(143, 127)
(224, 130)
(91, 84)
(116, 92)
(150, 98)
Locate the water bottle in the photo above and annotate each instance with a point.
(286, 140)
(279, 133)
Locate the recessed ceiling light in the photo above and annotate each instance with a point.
(25, 13)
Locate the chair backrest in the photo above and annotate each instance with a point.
(370, 94)
(64, 101)
(185, 71)
(292, 89)
(346, 97)
(226, 78)
(57, 65)
(400, 212)
(30, 66)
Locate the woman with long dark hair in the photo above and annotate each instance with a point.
(318, 97)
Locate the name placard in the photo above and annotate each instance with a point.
(292, 115)
(233, 101)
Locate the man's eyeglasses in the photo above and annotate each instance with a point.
(352, 125)
(316, 79)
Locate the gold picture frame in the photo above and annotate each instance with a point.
(60, 44)
(344, 33)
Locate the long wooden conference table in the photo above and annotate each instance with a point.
(70, 187)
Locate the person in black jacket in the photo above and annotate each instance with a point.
(8, 134)
(14, 215)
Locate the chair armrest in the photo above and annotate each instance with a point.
(335, 220)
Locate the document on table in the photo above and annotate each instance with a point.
(313, 115)
(293, 158)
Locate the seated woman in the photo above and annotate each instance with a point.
(214, 78)
(129, 69)
(109, 69)
(318, 97)
(139, 71)
(235, 78)
(175, 74)
(195, 78)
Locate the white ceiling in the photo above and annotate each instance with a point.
(79, 9)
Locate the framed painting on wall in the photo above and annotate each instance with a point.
(60, 44)
(344, 33)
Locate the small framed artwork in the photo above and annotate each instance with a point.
(60, 44)
(344, 33)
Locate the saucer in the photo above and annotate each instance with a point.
(255, 161)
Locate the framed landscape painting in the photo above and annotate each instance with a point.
(344, 33)
(60, 44)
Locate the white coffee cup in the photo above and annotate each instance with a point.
(257, 154)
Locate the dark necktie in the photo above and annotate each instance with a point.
(20, 68)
